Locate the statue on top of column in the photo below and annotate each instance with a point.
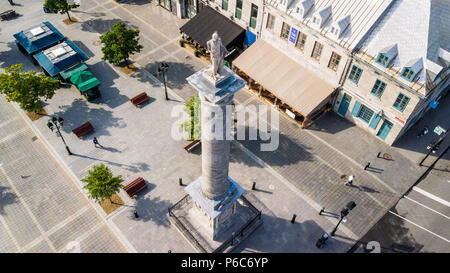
(217, 52)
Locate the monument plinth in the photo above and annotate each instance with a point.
(219, 209)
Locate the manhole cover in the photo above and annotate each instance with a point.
(97, 43)
(272, 187)
(34, 138)
(188, 57)
(387, 156)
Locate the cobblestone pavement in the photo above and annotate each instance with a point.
(41, 210)
(300, 177)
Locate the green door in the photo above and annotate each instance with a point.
(384, 130)
(344, 104)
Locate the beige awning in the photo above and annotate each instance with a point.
(283, 77)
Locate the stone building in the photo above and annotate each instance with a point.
(398, 69)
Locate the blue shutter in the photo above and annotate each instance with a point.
(356, 108)
(376, 119)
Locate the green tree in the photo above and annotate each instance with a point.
(61, 6)
(101, 184)
(27, 88)
(119, 43)
(193, 125)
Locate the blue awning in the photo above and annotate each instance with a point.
(250, 38)
(48, 38)
(63, 62)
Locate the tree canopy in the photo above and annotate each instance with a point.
(193, 125)
(27, 88)
(101, 184)
(119, 43)
(61, 6)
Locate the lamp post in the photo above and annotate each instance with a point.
(434, 146)
(57, 122)
(162, 69)
(344, 212)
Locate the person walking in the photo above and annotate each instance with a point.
(350, 180)
(423, 132)
(95, 140)
(11, 2)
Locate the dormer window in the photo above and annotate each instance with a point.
(408, 74)
(383, 59)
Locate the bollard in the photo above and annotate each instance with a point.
(254, 186)
(180, 181)
(293, 218)
(367, 165)
(378, 155)
(136, 214)
(321, 211)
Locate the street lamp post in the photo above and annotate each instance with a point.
(434, 146)
(344, 212)
(57, 122)
(162, 69)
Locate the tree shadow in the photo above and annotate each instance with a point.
(101, 26)
(78, 113)
(7, 197)
(14, 56)
(135, 2)
(152, 209)
(133, 167)
(93, 14)
(84, 48)
(110, 95)
(176, 74)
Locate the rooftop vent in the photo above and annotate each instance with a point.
(36, 31)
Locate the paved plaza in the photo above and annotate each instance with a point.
(300, 177)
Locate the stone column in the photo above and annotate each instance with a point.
(215, 148)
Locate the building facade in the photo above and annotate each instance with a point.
(399, 70)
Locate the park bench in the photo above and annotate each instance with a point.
(83, 129)
(192, 145)
(135, 186)
(139, 99)
(8, 14)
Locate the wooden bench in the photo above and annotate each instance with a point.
(139, 99)
(192, 145)
(135, 186)
(8, 14)
(83, 129)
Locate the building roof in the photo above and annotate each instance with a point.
(60, 57)
(356, 16)
(283, 77)
(38, 37)
(420, 29)
(207, 21)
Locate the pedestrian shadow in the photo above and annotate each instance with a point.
(7, 197)
(109, 149)
(134, 167)
(367, 189)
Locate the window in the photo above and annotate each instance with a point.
(401, 102)
(378, 88)
(238, 12)
(270, 21)
(383, 59)
(334, 61)
(365, 113)
(355, 74)
(408, 74)
(317, 50)
(285, 29)
(225, 4)
(301, 39)
(253, 15)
